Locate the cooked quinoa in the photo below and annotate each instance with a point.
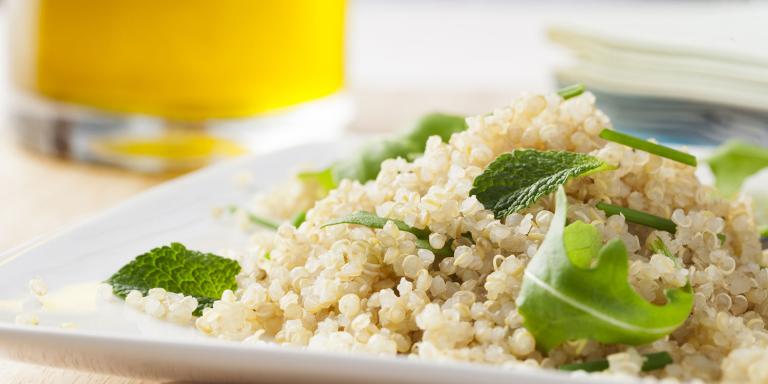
(353, 288)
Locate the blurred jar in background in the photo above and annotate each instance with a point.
(169, 84)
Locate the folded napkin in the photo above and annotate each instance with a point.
(697, 77)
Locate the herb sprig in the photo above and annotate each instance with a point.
(638, 217)
(647, 146)
(177, 269)
(571, 91)
(371, 220)
(515, 180)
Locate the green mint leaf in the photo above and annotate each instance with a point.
(560, 301)
(366, 165)
(515, 180)
(180, 270)
(638, 217)
(653, 361)
(571, 91)
(733, 162)
(763, 231)
(371, 220)
(647, 146)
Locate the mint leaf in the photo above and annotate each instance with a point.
(371, 220)
(180, 270)
(560, 301)
(733, 162)
(515, 180)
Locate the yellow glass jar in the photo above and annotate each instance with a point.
(190, 64)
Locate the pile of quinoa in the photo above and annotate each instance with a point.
(353, 288)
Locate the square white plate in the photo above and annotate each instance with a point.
(112, 338)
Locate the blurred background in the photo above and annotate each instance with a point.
(102, 99)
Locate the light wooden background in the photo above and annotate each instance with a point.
(39, 194)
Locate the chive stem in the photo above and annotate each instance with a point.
(262, 221)
(652, 362)
(571, 91)
(647, 146)
(639, 217)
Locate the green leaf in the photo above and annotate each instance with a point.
(370, 220)
(299, 218)
(515, 180)
(366, 165)
(582, 243)
(653, 361)
(323, 178)
(180, 270)
(733, 162)
(647, 146)
(560, 301)
(763, 231)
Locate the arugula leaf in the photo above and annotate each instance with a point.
(733, 162)
(323, 178)
(371, 220)
(515, 180)
(560, 301)
(584, 242)
(180, 270)
(367, 164)
(299, 218)
(653, 361)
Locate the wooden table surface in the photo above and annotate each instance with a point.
(40, 194)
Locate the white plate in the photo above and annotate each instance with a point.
(112, 338)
